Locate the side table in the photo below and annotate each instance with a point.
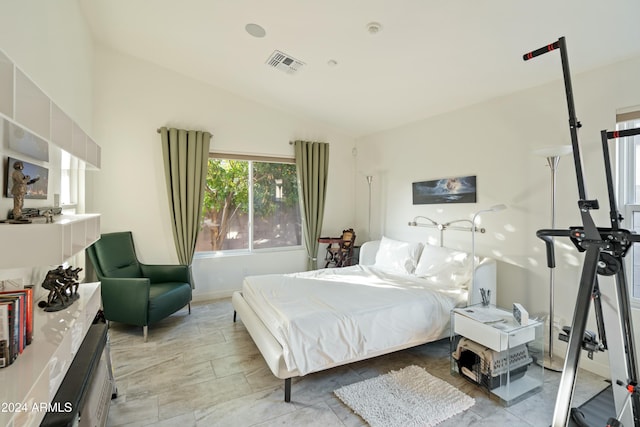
(489, 348)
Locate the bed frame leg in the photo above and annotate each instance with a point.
(287, 390)
(234, 316)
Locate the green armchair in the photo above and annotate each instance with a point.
(132, 292)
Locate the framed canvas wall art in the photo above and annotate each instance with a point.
(445, 190)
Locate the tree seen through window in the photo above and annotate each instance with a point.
(249, 205)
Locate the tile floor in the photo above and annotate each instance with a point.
(204, 370)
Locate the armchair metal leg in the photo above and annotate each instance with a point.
(145, 330)
(189, 307)
(112, 378)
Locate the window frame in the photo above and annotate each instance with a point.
(627, 152)
(70, 182)
(251, 249)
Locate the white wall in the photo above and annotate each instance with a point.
(50, 42)
(132, 99)
(495, 141)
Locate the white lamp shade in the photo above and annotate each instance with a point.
(554, 151)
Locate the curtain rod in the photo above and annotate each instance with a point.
(158, 130)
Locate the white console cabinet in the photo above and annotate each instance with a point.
(31, 382)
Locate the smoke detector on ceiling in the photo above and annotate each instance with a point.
(255, 30)
(283, 62)
(374, 27)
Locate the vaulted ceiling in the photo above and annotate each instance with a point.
(426, 57)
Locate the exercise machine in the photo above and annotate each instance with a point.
(605, 249)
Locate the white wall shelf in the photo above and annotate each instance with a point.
(61, 128)
(30, 122)
(36, 375)
(24, 104)
(6, 86)
(32, 106)
(39, 243)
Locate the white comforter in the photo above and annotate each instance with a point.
(324, 317)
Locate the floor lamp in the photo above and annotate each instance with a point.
(553, 154)
(369, 181)
(495, 208)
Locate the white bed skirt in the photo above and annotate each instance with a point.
(272, 350)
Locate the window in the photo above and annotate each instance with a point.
(249, 204)
(629, 192)
(68, 180)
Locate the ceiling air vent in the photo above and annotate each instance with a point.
(283, 62)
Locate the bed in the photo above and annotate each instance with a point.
(399, 296)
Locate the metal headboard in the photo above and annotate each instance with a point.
(445, 226)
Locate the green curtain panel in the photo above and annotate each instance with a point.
(185, 153)
(312, 166)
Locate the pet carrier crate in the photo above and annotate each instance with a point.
(490, 368)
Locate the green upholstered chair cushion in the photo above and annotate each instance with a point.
(167, 298)
(117, 256)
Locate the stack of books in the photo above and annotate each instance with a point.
(16, 323)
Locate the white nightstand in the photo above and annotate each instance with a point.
(490, 348)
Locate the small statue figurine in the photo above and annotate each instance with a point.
(62, 285)
(48, 215)
(19, 189)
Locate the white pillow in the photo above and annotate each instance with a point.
(444, 266)
(396, 256)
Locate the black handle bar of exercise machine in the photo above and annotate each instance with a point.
(574, 124)
(613, 240)
(541, 51)
(622, 133)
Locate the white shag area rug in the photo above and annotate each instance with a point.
(408, 397)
